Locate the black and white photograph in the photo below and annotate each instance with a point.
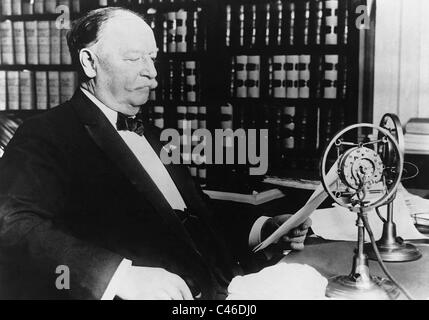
(230, 150)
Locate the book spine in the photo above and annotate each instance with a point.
(50, 6)
(41, 90)
(64, 3)
(253, 76)
(227, 112)
(288, 127)
(292, 76)
(181, 126)
(65, 54)
(192, 116)
(319, 22)
(279, 21)
(67, 85)
(27, 7)
(6, 7)
(19, 42)
(253, 26)
(54, 88)
(32, 42)
(103, 3)
(202, 117)
(267, 24)
(241, 25)
(17, 7)
(171, 35)
(3, 97)
(7, 51)
(331, 76)
(304, 76)
(279, 76)
(26, 90)
(343, 85)
(55, 43)
(39, 7)
(158, 117)
(191, 81)
(346, 25)
(181, 31)
(306, 31)
(228, 26)
(241, 76)
(291, 23)
(43, 33)
(331, 22)
(13, 90)
(326, 126)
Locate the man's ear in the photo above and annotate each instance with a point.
(87, 61)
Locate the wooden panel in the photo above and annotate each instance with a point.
(409, 76)
(423, 110)
(387, 55)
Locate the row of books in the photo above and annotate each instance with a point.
(284, 23)
(134, 3)
(178, 81)
(33, 42)
(40, 90)
(18, 7)
(290, 76)
(178, 31)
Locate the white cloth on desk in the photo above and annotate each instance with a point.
(283, 281)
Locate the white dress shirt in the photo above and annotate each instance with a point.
(152, 164)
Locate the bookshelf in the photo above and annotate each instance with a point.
(288, 66)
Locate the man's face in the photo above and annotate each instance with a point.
(125, 72)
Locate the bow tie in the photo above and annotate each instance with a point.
(130, 124)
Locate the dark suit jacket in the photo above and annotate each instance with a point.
(72, 193)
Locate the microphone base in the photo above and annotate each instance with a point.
(353, 288)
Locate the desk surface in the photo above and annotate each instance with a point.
(335, 258)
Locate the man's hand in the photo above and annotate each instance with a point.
(294, 239)
(145, 283)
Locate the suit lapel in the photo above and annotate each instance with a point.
(107, 138)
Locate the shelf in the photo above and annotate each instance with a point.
(37, 17)
(284, 101)
(283, 50)
(182, 55)
(38, 67)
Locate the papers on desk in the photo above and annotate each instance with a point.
(283, 281)
(338, 223)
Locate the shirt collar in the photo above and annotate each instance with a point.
(110, 114)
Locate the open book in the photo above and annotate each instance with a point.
(255, 198)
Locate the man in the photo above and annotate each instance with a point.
(79, 190)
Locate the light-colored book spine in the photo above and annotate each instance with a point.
(2, 90)
(19, 41)
(13, 90)
(252, 83)
(65, 54)
(26, 90)
(292, 76)
(43, 32)
(67, 85)
(7, 42)
(181, 31)
(6, 7)
(54, 88)
(39, 7)
(50, 6)
(16, 7)
(27, 7)
(31, 41)
(279, 76)
(241, 76)
(55, 43)
(41, 90)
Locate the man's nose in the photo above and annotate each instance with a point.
(149, 69)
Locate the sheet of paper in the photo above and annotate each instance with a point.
(338, 223)
(316, 199)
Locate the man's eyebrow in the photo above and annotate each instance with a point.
(140, 51)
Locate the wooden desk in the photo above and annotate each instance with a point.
(335, 258)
